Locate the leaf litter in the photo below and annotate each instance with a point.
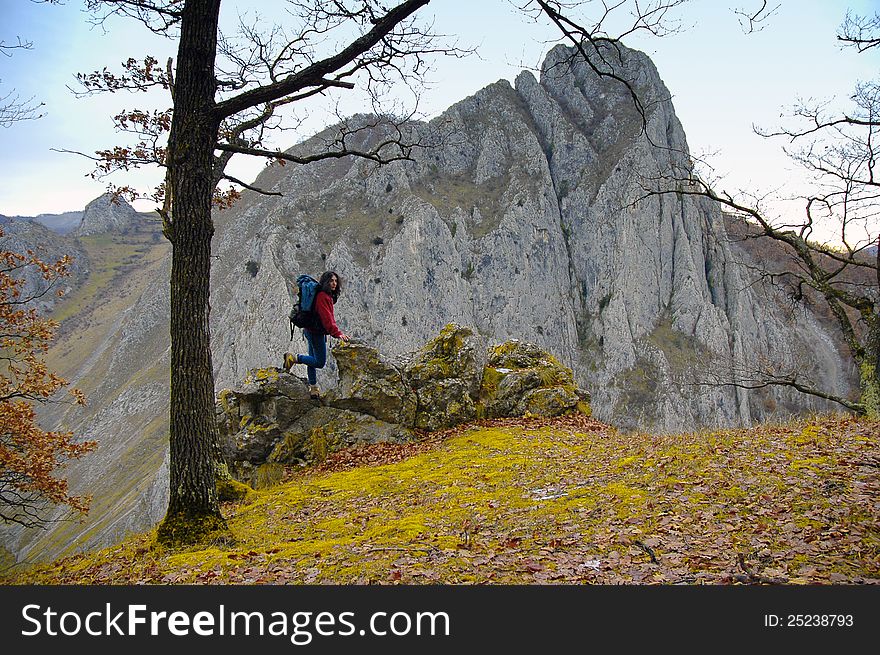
(546, 501)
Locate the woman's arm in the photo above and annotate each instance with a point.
(324, 307)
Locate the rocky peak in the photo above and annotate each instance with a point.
(21, 235)
(107, 213)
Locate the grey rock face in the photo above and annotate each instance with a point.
(21, 235)
(523, 223)
(106, 214)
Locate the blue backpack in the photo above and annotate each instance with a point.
(303, 314)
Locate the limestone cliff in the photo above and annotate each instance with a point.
(522, 222)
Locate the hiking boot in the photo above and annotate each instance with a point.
(313, 392)
(289, 361)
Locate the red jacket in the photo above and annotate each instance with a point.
(324, 309)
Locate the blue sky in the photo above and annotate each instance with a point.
(722, 82)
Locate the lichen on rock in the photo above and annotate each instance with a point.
(270, 421)
(445, 375)
(371, 385)
(521, 378)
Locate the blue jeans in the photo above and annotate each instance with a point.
(317, 356)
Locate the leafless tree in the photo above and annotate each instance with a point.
(227, 94)
(860, 32)
(13, 108)
(754, 20)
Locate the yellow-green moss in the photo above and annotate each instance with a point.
(223, 397)
(811, 463)
(231, 490)
(547, 402)
(626, 461)
(262, 375)
(288, 448)
(268, 475)
(319, 444)
(552, 376)
(624, 492)
(488, 487)
(804, 522)
(491, 379)
(810, 435)
(733, 492)
(181, 529)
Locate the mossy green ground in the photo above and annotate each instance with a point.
(566, 500)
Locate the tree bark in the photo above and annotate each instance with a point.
(869, 369)
(193, 514)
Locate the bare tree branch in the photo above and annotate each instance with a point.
(751, 22)
(251, 187)
(7, 48)
(12, 108)
(316, 74)
(770, 380)
(158, 17)
(860, 32)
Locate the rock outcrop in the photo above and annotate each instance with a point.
(107, 214)
(269, 420)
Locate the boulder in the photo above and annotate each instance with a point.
(250, 416)
(371, 385)
(269, 421)
(521, 378)
(328, 429)
(445, 376)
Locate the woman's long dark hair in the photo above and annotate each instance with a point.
(324, 283)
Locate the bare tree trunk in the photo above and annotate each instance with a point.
(193, 514)
(869, 370)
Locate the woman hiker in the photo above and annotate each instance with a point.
(329, 288)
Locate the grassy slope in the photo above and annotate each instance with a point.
(535, 501)
(120, 268)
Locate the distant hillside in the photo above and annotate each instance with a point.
(112, 271)
(61, 223)
(21, 235)
(103, 214)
